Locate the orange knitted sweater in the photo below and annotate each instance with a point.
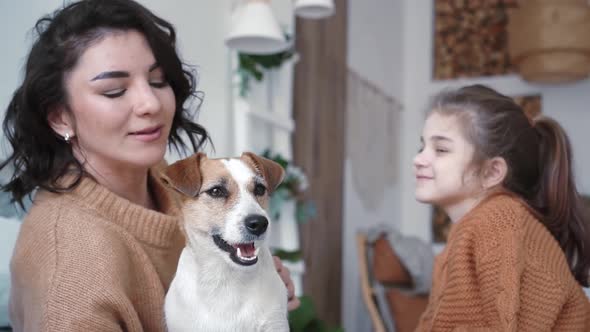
(503, 271)
(90, 260)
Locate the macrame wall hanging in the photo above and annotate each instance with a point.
(373, 139)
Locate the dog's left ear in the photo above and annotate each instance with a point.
(185, 175)
(272, 172)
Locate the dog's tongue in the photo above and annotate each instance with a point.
(247, 249)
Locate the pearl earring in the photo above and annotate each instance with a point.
(67, 137)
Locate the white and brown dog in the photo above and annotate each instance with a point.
(226, 279)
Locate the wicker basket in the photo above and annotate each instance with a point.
(549, 40)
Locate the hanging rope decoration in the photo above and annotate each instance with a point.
(373, 140)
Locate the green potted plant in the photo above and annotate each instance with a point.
(253, 66)
(305, 319)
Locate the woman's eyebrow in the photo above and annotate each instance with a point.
(438, 138)
(110, 74)
(120, 73)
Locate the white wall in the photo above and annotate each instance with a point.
(375, 31)
(375, 42)
(201, 28)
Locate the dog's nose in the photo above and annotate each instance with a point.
(256, 224)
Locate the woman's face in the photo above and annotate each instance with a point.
(121, 103)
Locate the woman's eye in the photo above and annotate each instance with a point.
(259, 190)
(159, 84)
(439, 150)
(217, 192)
(114, 93)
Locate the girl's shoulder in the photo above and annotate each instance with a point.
(506, 222)
(496, 220)
(501, 213)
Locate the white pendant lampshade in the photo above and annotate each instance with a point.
(314, 8)
(255, 30)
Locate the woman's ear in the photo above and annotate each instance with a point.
(61, 121)
(495, 172)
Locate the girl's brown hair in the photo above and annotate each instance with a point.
(539, 158)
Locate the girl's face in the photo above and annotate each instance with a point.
(121, 103)
(444, 175)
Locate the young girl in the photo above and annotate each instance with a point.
(519, 249)
(103, 94)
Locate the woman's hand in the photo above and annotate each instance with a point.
(285, 275)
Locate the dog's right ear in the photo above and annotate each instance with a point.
(185, 175)
(272, 172)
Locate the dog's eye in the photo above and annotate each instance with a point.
(217, 192)
(259, 190)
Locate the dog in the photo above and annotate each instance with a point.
(226, 278)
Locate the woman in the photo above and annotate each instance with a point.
(102, 97)
(519, 250)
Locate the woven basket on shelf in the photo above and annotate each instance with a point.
(549, 40)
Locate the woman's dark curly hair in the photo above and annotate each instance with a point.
(40, 156)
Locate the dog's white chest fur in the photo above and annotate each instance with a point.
(206, 298)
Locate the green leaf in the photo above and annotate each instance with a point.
(305, 211)
(288, 255)
(277, 158)
(254, 65)
(303, 316)
(244, 85)
(304, 319)
(337, 329)
(277, 199)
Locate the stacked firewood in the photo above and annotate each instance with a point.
(470, 38)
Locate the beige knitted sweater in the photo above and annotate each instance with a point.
(89, 260)
(503, 271)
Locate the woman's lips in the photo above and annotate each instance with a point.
(148, 134)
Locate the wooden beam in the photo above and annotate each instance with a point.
(319, 102)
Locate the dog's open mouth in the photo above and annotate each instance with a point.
(243, 253)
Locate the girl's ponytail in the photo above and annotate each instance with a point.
(557, 198)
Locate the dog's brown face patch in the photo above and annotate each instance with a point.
(229, 191)
(260, 191)
(218, 193)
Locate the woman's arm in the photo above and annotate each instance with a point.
(285, 275)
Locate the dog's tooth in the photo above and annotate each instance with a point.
(256, 251)
(239, 253)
